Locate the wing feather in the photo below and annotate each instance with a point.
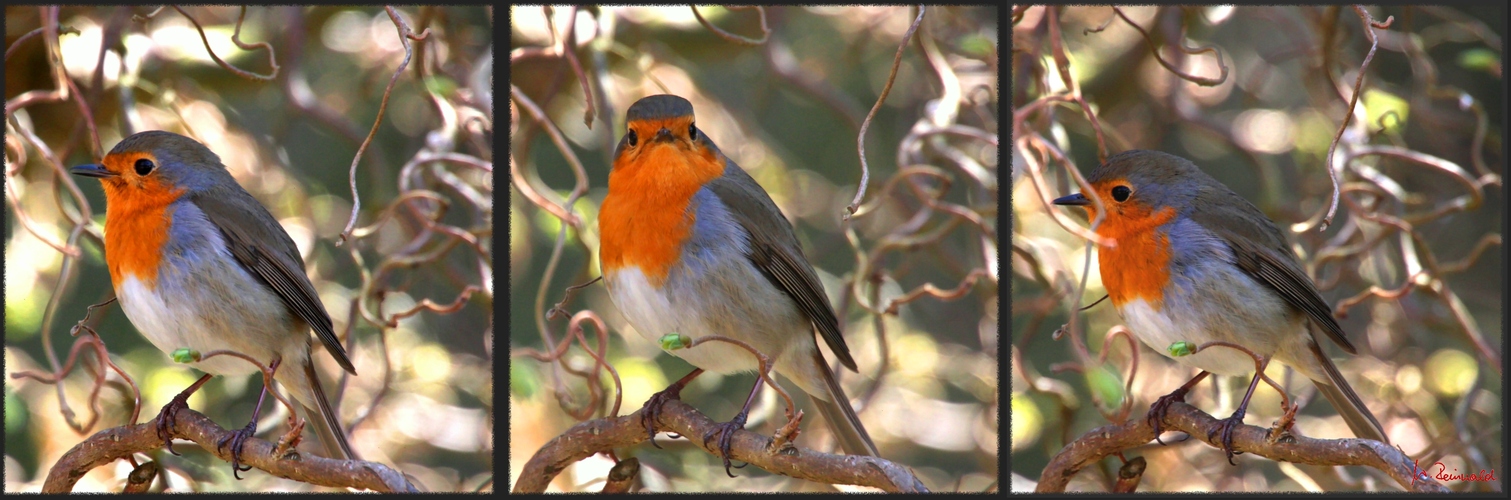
(268, 253)
(774, 250)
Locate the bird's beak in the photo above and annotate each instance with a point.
(1075, 199)
(92, 170)
(664, 135)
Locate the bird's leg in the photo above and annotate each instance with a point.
(165, 418)
(1157, 411)
(1226, 425)
(726, 431)
(238, 438)
(652, 409)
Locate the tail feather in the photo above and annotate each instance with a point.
(323, 419)
(842, 419)
(1343, 397)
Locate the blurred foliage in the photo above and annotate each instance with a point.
(422, 399)
(1429, 360)
(788, 111)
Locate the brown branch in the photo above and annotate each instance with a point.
(405, 35)
(932, 290)
(1419, 278)
(1120, 331)
(574, 329)
(563, 212)
(519, 177)
(141, 478)
(35, 33)
(1036, 174)
(1472, 186)
(1108, 440)
(1062, 63)
(860, 142)
(1468, 324)
(764, 364)
(50, 30)
(765, 31)
(1205, 82)
(558, 310)
(1348, 114)
(27, 223)
(568, 49)
(122, 442)
(429, 305)
(236, 39)
(1129, 475)
(595, 390)
(61, 370)
(622, 476)
(98, 348)
(1485, 243)
(606, 434)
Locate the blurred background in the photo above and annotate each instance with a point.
(410, 291)
(788, 109)
(1421, 219)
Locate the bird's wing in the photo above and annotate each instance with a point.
(1257, 250)
(266, 251)
(774, 250)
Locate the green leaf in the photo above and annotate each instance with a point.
(1379, 103)
(1479, 59)
(184, 355)
(977, 45)
(1106, 387)
(440, 85)
(673, 341)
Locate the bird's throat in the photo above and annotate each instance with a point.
(645, 218)
(1138, 266)
(136, 229)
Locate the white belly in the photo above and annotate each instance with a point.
(172, 328)
(654, 315)
(208, 307)
(1159, 330)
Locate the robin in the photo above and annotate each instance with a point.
(1195, 262)
(690, 244)
(198, 263)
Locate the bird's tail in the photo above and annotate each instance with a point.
(842, 419)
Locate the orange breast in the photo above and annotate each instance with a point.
(136, 225)
(644, 219)
(1138, 267)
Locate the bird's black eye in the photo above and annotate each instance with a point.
(1121, 193)
(144, 166)
(692, 131)
(630, 136)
